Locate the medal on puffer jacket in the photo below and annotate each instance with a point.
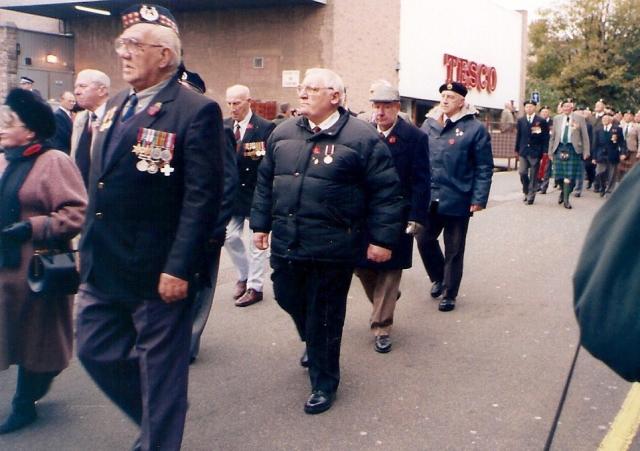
(329, 149)
(315, 152)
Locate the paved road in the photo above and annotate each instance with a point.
(487, 376)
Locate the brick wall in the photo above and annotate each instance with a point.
(8, 58)
(359, 39)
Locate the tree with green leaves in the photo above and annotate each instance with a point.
(587, 50)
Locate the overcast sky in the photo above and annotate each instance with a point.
(530, 5)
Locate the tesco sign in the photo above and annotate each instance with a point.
(470, 73)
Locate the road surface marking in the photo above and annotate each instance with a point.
(625, 426)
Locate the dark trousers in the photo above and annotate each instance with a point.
(31, 387)
(315, 295)
(202, 302)
(528, 170)
(137, 351)
(445, 268)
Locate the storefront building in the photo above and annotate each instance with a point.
(267, 45)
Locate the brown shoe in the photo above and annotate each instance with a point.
(241, 288)
(250, 297)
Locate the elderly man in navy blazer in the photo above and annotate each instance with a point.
(154, 192)
(532, 140)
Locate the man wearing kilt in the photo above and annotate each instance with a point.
(569, 145)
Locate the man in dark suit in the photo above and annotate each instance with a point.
(609, 148)
(532, 139)
(154, 192)
(251, 132)
(64, 123)
(92, 92)
(203, 299)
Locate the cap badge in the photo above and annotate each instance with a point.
(149, 13)
(449, 86)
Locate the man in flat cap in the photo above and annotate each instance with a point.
(532, 140)
(327, 190)
(409, 148)
(154, 191)
(461, 170)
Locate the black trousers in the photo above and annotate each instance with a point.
(315, 295)
(31, 387)
(137, 352)
(447, 267)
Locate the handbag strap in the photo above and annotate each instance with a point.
(563, 398)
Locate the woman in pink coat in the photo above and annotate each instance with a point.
(42, 198)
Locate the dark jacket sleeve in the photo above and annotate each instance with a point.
(606, 282)
(420, 180)
(518, 135)
(61, 140)
(203, 183)
(622, 142)
(596, 145)
(260, 220)
(385, 203)
(483, 161)
(230, 186)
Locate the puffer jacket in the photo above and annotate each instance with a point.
(319, 193)
(461, 161)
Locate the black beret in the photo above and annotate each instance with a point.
(530, 102)
(33, 111)
(153, 14)
(192, 79)
(454, 86)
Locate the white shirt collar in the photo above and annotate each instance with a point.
(328, 122)
(386, 133)
(244, 123)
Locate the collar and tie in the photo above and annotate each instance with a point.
(236, 133)
(316, 129)
(131, 110)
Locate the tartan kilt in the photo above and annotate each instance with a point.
(567, 169)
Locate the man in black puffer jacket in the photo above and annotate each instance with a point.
(326, 182)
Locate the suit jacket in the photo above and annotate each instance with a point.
(140, 225)
(632, 137)
(532, 139)
(578, 135)
(255, 138)
(79, 124)
(61, 140)
(609, 145)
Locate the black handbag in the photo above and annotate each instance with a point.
(52, 270)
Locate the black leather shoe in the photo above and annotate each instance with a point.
(304, 360)
(447, 304)
(18, 420)
(383, 344)
(318, 402)
(577, 194)
(436, 289)
(561, 198)
(530, 202)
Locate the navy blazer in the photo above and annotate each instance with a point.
(409, 148)
(532, 139)
(608, 146)
(140, 225)
(61, 140)
(258, 131)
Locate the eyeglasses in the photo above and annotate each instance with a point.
(132, 45)
(310, 90)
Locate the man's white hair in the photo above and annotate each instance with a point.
(169, 39)
(95, 76)
(329, 78)
(239, 91)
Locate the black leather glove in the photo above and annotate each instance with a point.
(18, 231)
